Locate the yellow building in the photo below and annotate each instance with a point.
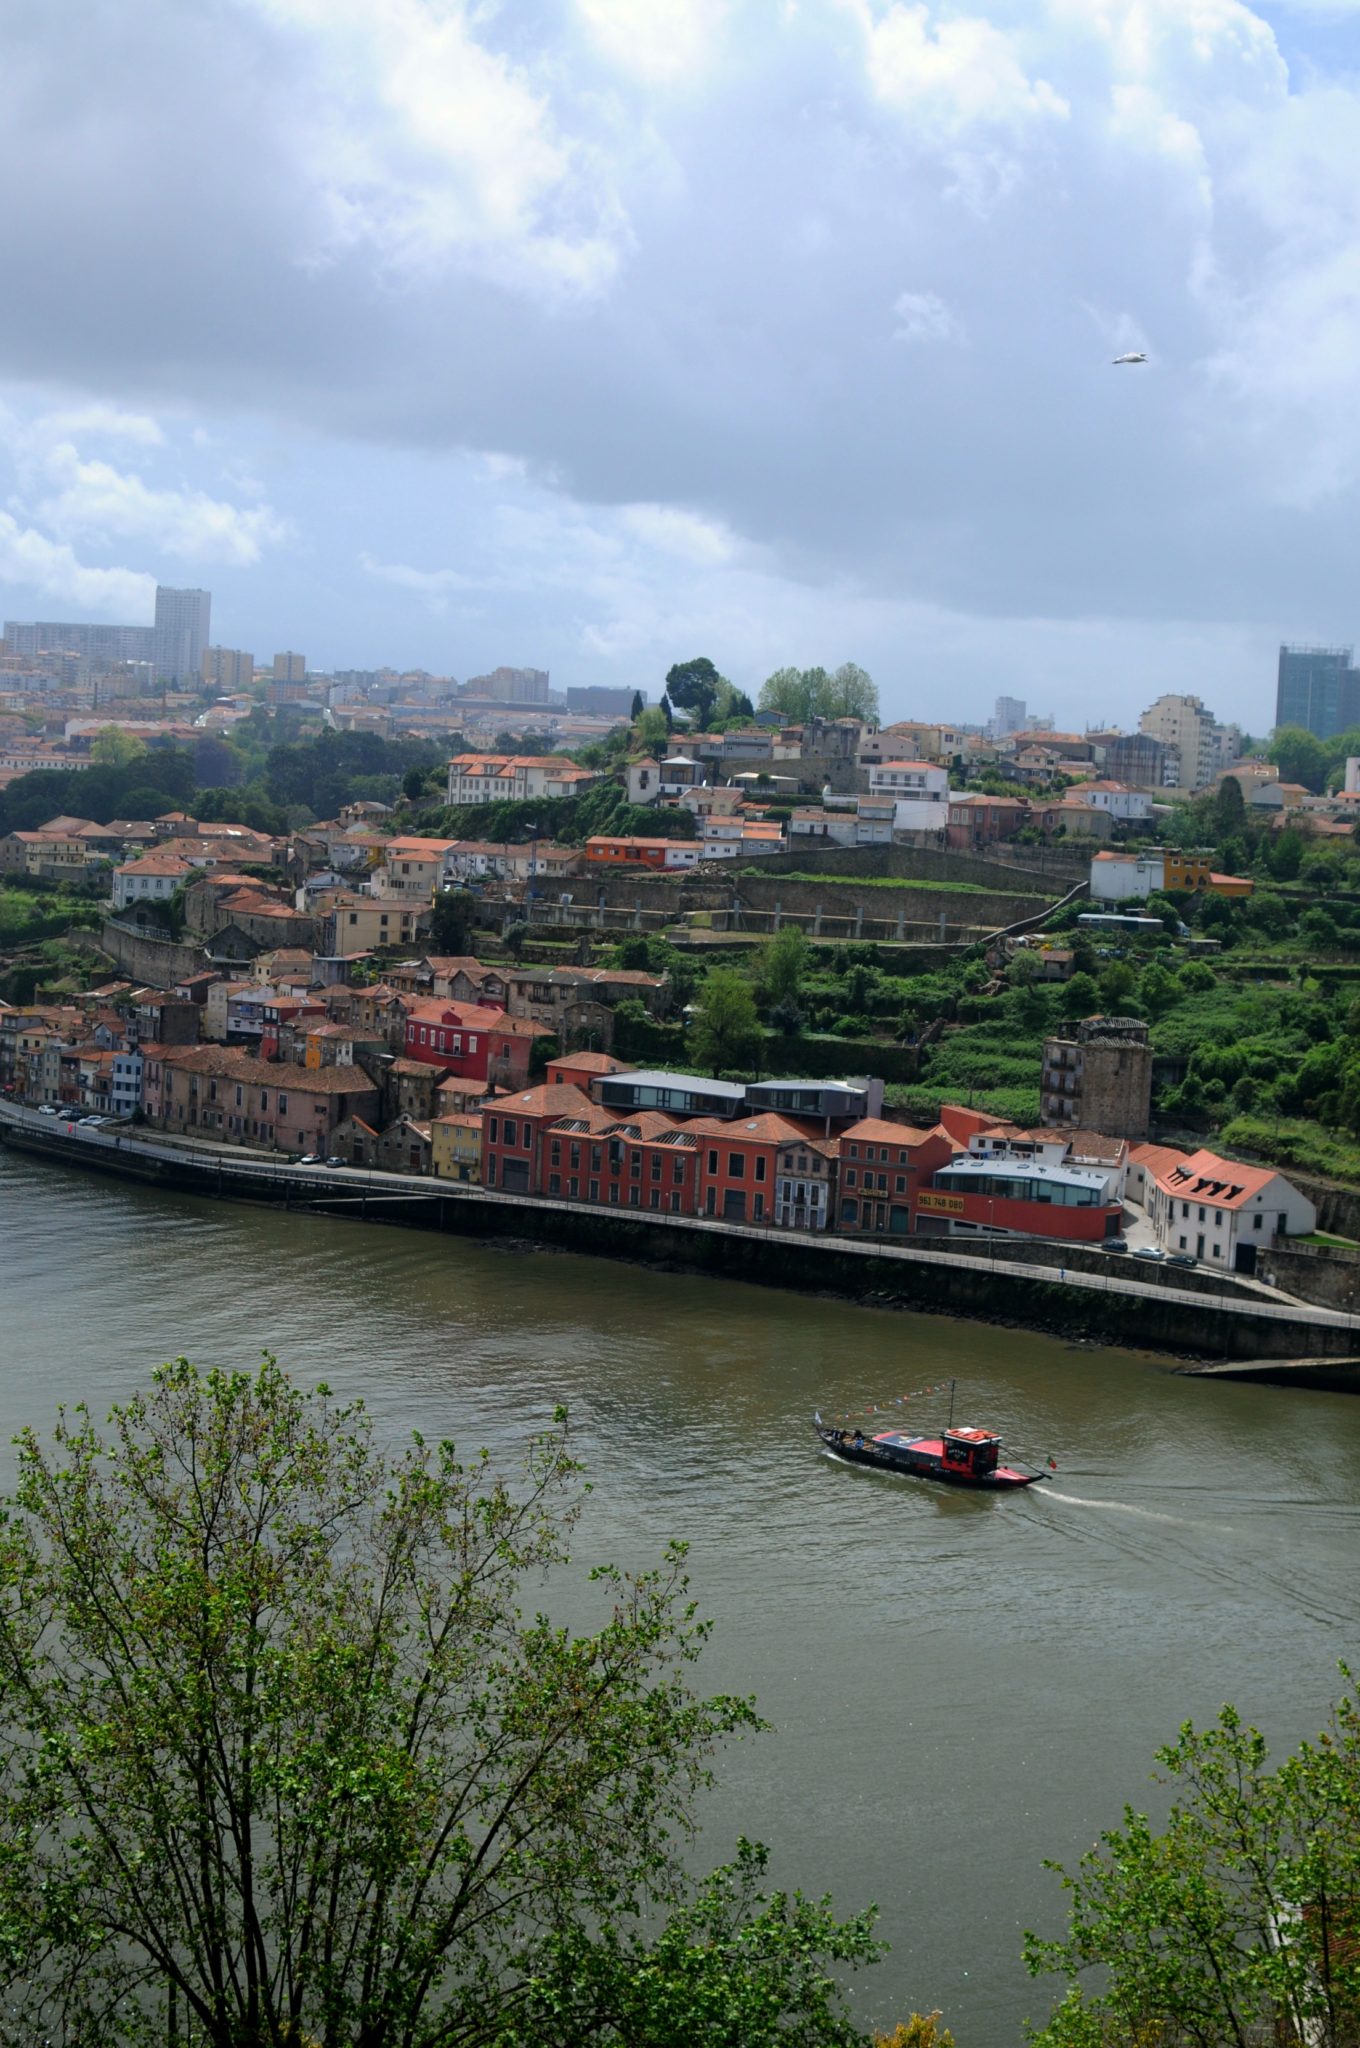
(456, 1147)
(1187, 871)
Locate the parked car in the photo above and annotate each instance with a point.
(1149, 1251)
(1115, 1244)
(1180, 1259)
(336, 1160)
(310, 1159)
(47, 1109)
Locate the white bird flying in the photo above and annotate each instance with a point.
(1135, 355)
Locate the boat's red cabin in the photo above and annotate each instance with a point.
(971, 1450)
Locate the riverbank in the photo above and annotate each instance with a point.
(1104, 1306)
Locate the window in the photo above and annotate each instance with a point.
(239, 1095)
(901, 1184)
(264, 1098)
(614, 1192)
(283, 1105)
(594, 1191)
(736, 1166)
(656, 1198)
(849, 1212)
(850, 1179)
(1218, 1215)
(678, 1172)
(854, 1151)
(574, 1186)
(555, 1154)
(596, 1153)
(511, 1131)
(760, 1169)
(1201, 1215)
(491, 1171)
(713, 1162)
(759, 1210)
(656, 1166)
(576, 1155)
(635, 1166)
(491, 1129)
(1257, 1221)
(675, 1205)
(1218, 1251)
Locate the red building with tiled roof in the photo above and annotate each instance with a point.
(470, 1039)
(883, 1169)
(765, 1169)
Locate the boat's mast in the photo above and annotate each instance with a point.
(952, 1385)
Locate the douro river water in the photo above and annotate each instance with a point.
(959, 1685)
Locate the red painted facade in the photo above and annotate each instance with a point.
(470, 1040)
(555, 1141)
(739, 1162)
(883, 1169)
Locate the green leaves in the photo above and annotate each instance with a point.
(1240, 1921)
(277, 1742)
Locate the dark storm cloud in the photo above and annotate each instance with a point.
(674, 282)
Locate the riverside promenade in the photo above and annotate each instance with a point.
(1228, 1325)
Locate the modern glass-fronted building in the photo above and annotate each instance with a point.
(1318, 689)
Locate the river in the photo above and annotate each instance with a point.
(959, 1686)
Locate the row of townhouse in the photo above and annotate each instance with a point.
(811, 1154)
(968, 1175)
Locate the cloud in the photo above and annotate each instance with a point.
(952, 73)
(434, 585)
(426, 145)
(658, 41)
(645, 254)
(924, 316)
(95, 499)
(50, 568)
(686, 535)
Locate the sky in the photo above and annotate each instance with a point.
(598, 334)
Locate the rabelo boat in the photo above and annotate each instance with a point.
(955, 1457)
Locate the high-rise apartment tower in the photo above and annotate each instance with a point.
(181, 633)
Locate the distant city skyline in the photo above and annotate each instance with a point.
(780, 337)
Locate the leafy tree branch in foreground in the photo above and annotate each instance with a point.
(1239, 1924)
(283, 1760)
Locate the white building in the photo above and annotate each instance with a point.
(1130, 806)
(1216, 1210)
(644, 781)
(1190, 735)
(514, 778)
(125, 1096)
(180, 634)
(1352, 782)
(1125, 877)
(919, 792)
(154, 878)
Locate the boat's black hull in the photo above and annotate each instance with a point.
(882, 1458)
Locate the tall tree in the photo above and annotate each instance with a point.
(786, 692)
(639, 706)
(651, 729)
(114, 748)
(1239, 1922)
(1300, 756)
(784, 962)
(726, 1031)
(283, 1761)
(854, 694)
(693, 686)
(453, 921)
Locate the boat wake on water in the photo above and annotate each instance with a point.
(1127, 1507)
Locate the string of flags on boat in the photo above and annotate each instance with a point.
(894, 1401)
